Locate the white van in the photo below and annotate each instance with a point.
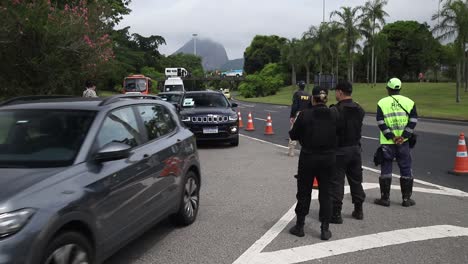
(176, 72)
(174, 84)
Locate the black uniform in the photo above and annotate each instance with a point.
(301, 101)
(315, 129)
(348, 159)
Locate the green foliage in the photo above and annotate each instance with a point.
(263, 50)
(265, 83)
(411, 48)
(46, 49)
(190, 62)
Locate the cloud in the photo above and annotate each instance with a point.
(235, 23)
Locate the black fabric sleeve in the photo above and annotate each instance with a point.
(296, 132)
(388, 133)
(412, 122)
(295, 105)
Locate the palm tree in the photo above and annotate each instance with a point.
(374, 12)
(291, 54)
(348, 20)
(454, 24)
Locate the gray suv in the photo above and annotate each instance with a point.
(79, 178)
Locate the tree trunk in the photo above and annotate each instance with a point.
(465, 72)
(458, 82)
(293, 75)
(350, 62)
(375, 72)
(307, 66)
(352, 72)
(368, 70)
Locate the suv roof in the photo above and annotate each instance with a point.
(72, 103)
(205, 91)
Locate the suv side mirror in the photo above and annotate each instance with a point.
(234, 105)
(113, 151)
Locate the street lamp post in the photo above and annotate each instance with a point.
(323, 11)
(195, 44)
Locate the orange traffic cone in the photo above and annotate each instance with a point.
(269, 126)
(461, 159)
(250, 124)
(315, 186)
(241, 124)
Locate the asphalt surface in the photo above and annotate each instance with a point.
(433, 156)
(247, 199)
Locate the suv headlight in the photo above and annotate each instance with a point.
(233, 118)
(11, 223)
(185, 118)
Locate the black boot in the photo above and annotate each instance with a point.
(358, 213)
(406, 192)
(325, 234)
(336, 216)
(384, 192)
(298, 229)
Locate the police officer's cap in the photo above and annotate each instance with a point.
(346, 87)
(301, 84)
(394, 84)
(318, 91)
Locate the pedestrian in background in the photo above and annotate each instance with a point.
(315, 129)
(90, 89)
(301, 100)
(397, 118)
(348, 155)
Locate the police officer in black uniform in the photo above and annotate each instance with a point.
(301, 101)
(315, 129)
(348, 159)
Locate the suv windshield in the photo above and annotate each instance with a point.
(205, 100)
(42, 138)
(135, 85)
(171, 98)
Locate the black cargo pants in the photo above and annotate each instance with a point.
(321, 166)
(349, 164)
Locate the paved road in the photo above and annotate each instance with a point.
(433, 156)
(247, 202)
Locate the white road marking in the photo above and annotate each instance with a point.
(261, 119)
(442, 188)
(371, 138)
(254, 254)
(349, 245)
(273, 111)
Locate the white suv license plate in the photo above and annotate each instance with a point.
(210, 130)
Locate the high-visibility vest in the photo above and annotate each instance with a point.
(395, 117)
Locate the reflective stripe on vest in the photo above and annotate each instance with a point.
(395, 117)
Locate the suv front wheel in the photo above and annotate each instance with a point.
(69, 248)
(190, 203)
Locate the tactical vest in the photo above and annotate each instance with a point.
(395, 117)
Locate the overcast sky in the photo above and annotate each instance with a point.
(234, 23)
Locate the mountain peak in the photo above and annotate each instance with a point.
(213, 54)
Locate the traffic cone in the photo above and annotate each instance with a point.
(315, 186)
(269, 126)
(241, 124)
(461, 159)
(250, 124)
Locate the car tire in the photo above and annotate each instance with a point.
(190, 201)
(237, 75)
(235, 142)
(76, 245)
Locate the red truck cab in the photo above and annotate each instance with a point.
(137, 83)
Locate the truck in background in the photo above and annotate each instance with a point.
(138, 84)
(175, 72)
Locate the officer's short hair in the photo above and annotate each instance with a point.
(89, 83)
(345, 87)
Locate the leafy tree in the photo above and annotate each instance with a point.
(263, 50)
(291, 53)
(374, 15)
(267, 82)
(349, 20)
(454, 24)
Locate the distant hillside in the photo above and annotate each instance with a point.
(213, 54)
(237, 64)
